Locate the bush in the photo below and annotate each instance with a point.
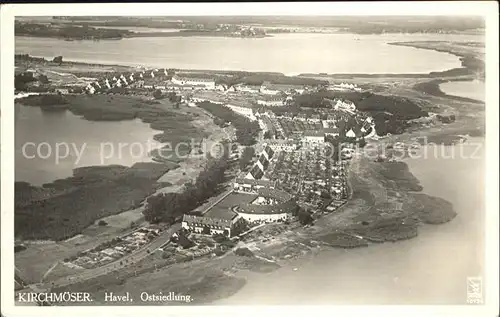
(58, 59)
(243, 252)
(157, 94)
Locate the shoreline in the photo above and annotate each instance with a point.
(432, 88)
(150, 176)
(465, 70)
(394, 233)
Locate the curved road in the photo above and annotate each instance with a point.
(112, 266)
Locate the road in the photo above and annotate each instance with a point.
(113, 266)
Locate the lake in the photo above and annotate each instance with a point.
(286, 53)
(96, 143)
(473, 89)
(429, 269)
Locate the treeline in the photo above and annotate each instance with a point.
(248, 78)
(390, 113)
(170, 207)
(246, 130)
(78, 201)
(401, 107)
(68, 31)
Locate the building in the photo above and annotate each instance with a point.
(283, 145)
(344, 105)
(331, 132)
(350, 134)
(313, 137)
(210, 225)
(90, 89)
(245, 185)
(271, 101)
(262, 164)
(62, 91)
(344, 87)
(202, 82)
(315, 118)
(270, 205)
(275, 89)
(247, 88)
(301, 117)
(242, 108)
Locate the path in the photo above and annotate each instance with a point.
(113, 266)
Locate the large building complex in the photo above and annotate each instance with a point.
(205, 82)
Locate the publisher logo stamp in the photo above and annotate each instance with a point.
(474, 290)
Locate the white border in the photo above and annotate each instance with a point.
(487, 9)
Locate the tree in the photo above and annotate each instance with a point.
(172, 97)
(22, 79)
(246, 157)
(58, 59)
(102, 223)
(157, 94)
(267, 135)
(305, 217)
(206, 230)
(362, 142)
(43, 79)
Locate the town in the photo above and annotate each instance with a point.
(298, 174)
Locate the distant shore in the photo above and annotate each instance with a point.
(471, 66)
(432, 88)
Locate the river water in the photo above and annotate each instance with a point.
(473, 89)
(429, 269)
(286, 53)
(96, 143)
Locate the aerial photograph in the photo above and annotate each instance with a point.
(249, 160)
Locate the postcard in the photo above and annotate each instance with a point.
(220, 158)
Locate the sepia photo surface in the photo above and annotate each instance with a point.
(245, 158)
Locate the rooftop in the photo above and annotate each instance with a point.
(317, 133)
(206, 220)
(254, 182)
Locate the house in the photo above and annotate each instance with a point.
(220, 87)
(267, 89)
(90, 89)
(247, 88)
(244, 109)
(331, 131)
(344, 86)
(350, 134)
(62, 91)
(274, 89)
(202, 82)
(301, 117)
(255, 173)
(312, 137)
(272, 101)
(344, 105)
(282, 145)
(245, 185)
(315, 118)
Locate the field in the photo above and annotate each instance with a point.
(65, 207)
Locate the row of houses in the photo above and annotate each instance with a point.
(177, 82)
(258, 169)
